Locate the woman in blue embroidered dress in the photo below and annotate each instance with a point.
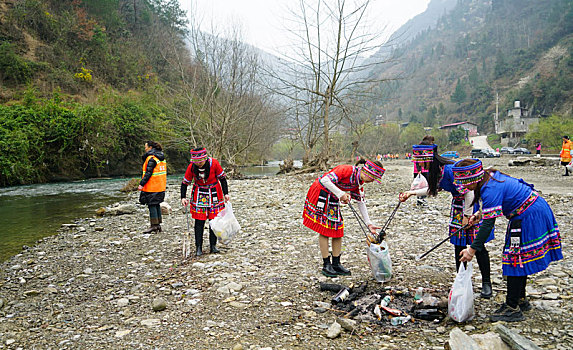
(440, 177)
(322, 209)
(532, 239)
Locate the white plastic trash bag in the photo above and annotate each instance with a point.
(461, 299)
(419, 182)
(225, 224)
(380, 262)
(570, 166)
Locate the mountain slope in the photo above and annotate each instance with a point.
(520, 49)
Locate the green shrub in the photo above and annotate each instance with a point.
(13, 68)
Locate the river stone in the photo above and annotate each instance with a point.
(31, 293)
(150, 322)
(159, 304)
(334, 330)
(461, 341)
(238, 305)
(2, 303)
(234, 286)
(121, 334)
(551, 296)
(490, 341)
(238, 347)
(347, 324)
(122, 302)
(165, 208)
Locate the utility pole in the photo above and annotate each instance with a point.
(496, 117)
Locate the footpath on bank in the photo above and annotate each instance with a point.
(101, 283)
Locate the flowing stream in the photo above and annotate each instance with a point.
(28, 213)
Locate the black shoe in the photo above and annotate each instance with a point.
(524, 304)
(199, 251)
(507, 313)
(158, 228)
(214, 250)
(486, 291)
(329, 271)
(152, 229)
(341, 270)
(565, 175)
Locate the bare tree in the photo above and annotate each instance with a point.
(327, 71)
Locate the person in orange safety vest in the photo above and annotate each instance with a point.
(566, 153)
(153, 183)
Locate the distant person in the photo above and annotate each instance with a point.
(153, 183)
(322, 214)
(566, 153)
(208, 197)
(532, 240)
(538, 149)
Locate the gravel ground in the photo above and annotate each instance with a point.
(94, 285)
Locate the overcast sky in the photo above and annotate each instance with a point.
(263, 22)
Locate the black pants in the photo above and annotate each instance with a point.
(565, 165)
(482, 258)
(199, 228)
(515, 289)
(154, 214)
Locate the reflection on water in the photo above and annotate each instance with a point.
(270, 169)
(28, 213)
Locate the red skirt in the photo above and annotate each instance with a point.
(324, 217)
(207, 201)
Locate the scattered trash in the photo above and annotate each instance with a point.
(395, 321)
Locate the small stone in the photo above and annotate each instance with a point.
(122, 302)
(10, 341)
(234, 286)
(151, 322)
(347, 324)
(334, 330)
(51, 290)
(551, 296)
(99, 228)
(121, 334)
(286, 303)
(469, 328)
(238, 305)
(238, 347)
(31, 293)
(159, 304)
(88, 271)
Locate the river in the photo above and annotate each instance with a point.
(28, 213)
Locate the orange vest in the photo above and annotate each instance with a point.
(158, 180)
(566, 152)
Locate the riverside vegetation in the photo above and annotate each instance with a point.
(102, 284)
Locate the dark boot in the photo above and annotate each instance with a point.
(213, 242)
(214, 250)
(199, 251)
(152, 229)
(486, 290)
(482, 258)
(524, 304)
(327, 269)
(199, 225)
(337, 266)
(158, 228)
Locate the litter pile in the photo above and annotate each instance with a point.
(388, 306)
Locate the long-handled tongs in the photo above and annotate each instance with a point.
(380, 236)
(186, 250)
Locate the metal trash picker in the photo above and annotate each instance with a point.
(377, 237)
(186, 249)
(445, 239)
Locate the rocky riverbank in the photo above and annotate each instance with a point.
(97, 284)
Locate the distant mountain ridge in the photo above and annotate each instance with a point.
(453, 59)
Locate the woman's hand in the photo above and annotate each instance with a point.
(467, 254)
(139, 188)
(227, 198)
(465, 220)
(373, 229)
(184, 202)
(474, 219)
(403, 196)
(345, 198)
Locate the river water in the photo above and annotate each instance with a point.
(28, 213)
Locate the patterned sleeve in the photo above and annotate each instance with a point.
(340, 173)
(219, 172)
(189, 176)
(492, 201)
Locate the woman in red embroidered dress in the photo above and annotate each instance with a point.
(208, 197)
(322, 209)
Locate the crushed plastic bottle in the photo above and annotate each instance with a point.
(340, 296)
(419, 293)
(395, 321)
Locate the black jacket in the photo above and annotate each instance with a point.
(151, 198)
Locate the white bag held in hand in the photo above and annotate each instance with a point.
(225, 224)
(570, 166)
(419, 182)
(380, 262)
(461, 299)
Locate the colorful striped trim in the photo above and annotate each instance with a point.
(490, 213)
(199, 155)
(374, 171)
(467, 175)
(526, 204)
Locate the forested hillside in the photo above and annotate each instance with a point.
(520, 49)
(84, 83)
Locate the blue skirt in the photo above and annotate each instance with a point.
(463, 237)
(539, 242)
